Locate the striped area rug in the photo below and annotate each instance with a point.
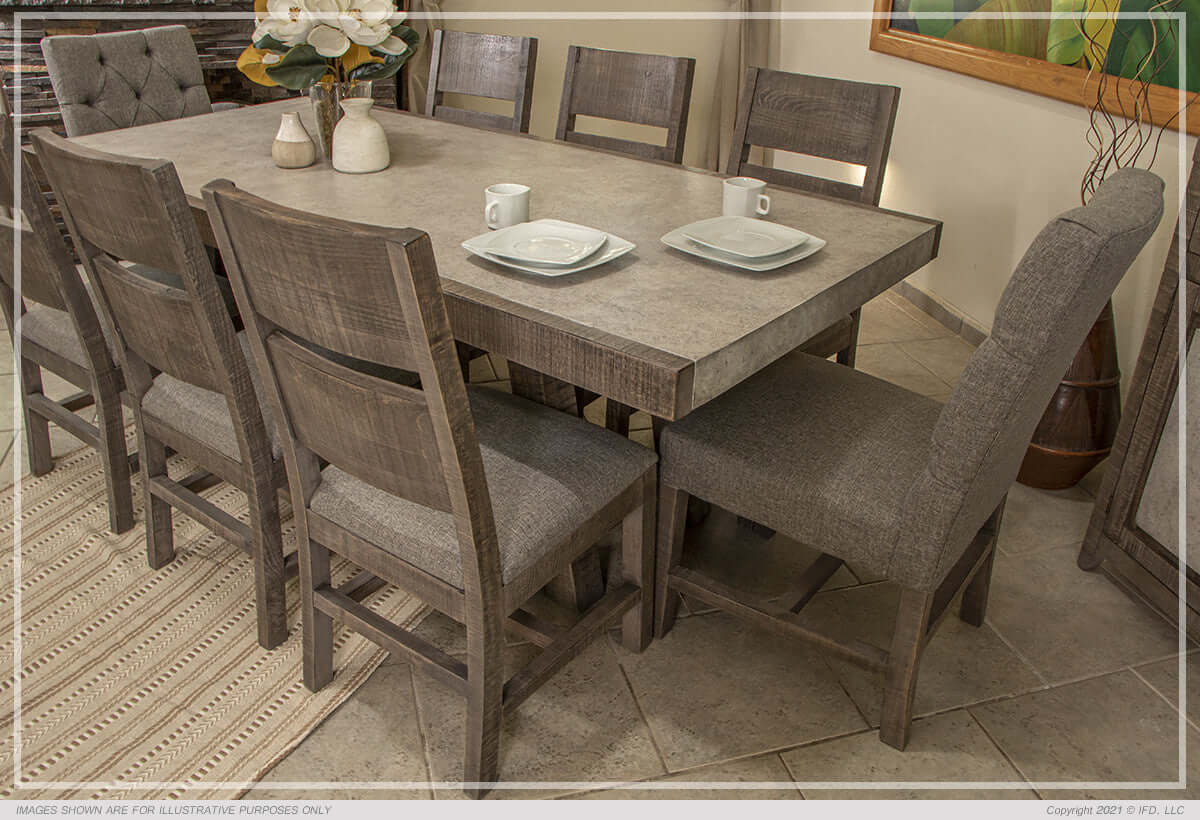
(148, 684)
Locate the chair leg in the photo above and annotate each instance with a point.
(316, 625)
(269, 578)
(37, 429)
(973, 608)
(673, 504)
(637, 566)
(160, 535)
(117, 464)
(912, 621)
(848, 354)
(485, 707)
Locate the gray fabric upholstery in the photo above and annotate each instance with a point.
(912, 488)
(819, 451)
(126, 78)
(204, 414)
(547, 473)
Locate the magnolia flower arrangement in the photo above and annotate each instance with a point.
(298, 43)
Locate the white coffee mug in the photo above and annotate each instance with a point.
(506, 204)
(743, 196)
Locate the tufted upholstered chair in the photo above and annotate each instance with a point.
(125, 78)
(894, 483)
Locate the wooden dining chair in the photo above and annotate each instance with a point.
(126, 78)
(894, 483)
(827, 118)
(59, 332)
(644, 89)
(496, 66)
(186, 370)
(470, 498)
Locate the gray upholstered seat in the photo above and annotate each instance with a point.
(812, 448)
(547, 474)
(117, 80)
(204, 414)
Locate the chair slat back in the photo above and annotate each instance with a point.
(821, 117)
(341, 295)
(43, 252)
(124, 213)
(496, 66)
(645, 89)
(1054, 296)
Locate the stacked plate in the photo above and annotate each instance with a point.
(548, 247)
(751, 244)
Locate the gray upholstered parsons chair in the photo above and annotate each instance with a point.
(126, 78)
(887, 480)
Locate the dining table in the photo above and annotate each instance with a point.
(658, 330)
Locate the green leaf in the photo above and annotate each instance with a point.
(407, 35)
(1133, 40)
(381, 71)
(299, 68)
(1065, 42)
(269, 43)
(934, 27)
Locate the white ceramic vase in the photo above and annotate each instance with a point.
(360, 145)
(293, 148)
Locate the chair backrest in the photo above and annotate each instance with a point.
(126, 213)
(819, 117)
(1056, 293)
(645, 89)
(125, 78)
(496, 66)
(312, 289)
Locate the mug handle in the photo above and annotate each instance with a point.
(489, 213)
(764, 205)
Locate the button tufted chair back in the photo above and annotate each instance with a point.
(126, 78)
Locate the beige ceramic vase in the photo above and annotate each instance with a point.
(360, 144)
(293, 148)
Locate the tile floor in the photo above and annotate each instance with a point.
(1068, 680)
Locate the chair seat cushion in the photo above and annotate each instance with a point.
(820, 452)
(204, 414)
(547, 472)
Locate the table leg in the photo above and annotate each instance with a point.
(583, 584)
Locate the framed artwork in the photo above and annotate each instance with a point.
(1053, 57)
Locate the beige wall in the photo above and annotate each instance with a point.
(994, 163)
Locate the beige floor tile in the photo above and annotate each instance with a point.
(373, 737)
(766, 769)
(962, 664)
(716, 688)
(445, 633)
(1113, 728)
(481, 370)
(885, 320)
(945, 358)
(499, 366)
(1069, 623)
(1091, 482)
(8, 384)
(741, 557)
(1163, 677)
(502, 386)
(950, 747)
(581, 726)
(1035, 520)
(640, 421)
(890, 363)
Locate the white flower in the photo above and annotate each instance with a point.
(288, 21)
(367, 22)
(328, 41)
(392, 45)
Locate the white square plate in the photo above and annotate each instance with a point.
(678, 240)
(745, 237)
(615, 247)
(546, 242)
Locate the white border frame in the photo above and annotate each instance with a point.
(18, 443)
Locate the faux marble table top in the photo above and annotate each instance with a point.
(729, 322)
